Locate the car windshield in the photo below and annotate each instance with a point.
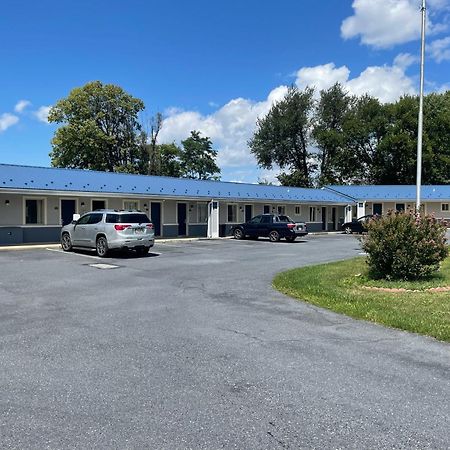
(127, 218)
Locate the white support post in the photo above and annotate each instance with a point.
(361, 210)
(213, 219)
(348, 213)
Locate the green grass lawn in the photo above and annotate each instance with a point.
(340, 286)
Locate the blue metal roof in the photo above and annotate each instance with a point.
(75, 180)
(394, 192)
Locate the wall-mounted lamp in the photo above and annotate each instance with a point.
(145, 205)
(82, 204)
(191, 207)
(56, 208)
(6, 202)
(241, 209)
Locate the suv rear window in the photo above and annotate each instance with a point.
(284, 219)
(127, 218)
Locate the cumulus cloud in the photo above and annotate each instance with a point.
(440, 49)
(385, 23)
(7, 120)
(21, 105)
(387, 83)
(230, 127)
(42, 113)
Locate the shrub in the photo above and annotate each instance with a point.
(404, 246)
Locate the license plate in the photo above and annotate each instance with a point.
(139, 230)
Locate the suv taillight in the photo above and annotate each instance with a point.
(121, 227)
(150, 225)
(291, 225)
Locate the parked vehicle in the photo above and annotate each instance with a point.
(272, 226)
(357, 225)
(105, 230)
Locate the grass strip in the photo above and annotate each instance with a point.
(342, 287)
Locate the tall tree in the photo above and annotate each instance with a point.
(283, 137)
(100, 130)
(170, 164)
(330, 116)
(198, 158)
(154, 152)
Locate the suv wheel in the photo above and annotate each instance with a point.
(101, 247)
(238, 234)
(348, 230)
(274, 236)
(66, 242)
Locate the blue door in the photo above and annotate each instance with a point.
(155, 216)
(181, 209)
(68, 209)
(248, 212)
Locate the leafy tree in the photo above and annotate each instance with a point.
(331, 114)
(283, 136)
(170, 164)
(99, 130)
(198, 158)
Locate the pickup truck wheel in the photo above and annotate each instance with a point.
(66, 242)
(238, 234)
(101, 247)
(274, 236)
(291, 238)
(348, 230)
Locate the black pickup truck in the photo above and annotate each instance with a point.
(272, 226)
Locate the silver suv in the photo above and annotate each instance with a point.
(109, 229)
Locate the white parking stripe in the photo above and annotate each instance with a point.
(71, 253)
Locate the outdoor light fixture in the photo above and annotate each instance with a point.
(82, 203)
(6, 202)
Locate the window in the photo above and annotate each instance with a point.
(130, 205)
(127, 218)
(266, 219)
(312, 213)
(202, 213)
(256, 219)
(281, 209)
(232, 213)
(266, 209)
(84, 220)
(95, 218)
(98, 204)
(34, 211)
(444, 207)
(297, 210)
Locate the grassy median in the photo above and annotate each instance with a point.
(344, 287)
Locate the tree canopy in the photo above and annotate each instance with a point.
(99, 130)
(342, 138)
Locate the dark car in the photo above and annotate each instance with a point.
(357, 225)
(273, 226)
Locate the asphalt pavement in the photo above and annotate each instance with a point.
(192, 348)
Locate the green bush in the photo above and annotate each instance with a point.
(404, 246)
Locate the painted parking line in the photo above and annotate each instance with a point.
(72, 253)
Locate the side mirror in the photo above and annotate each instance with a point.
(74, 222)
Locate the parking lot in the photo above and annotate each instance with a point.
(191, 347)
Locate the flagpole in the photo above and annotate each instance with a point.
(420, 124)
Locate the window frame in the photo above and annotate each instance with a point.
(235, 206)
(205, 205)
(313, 216)
(299, 208)
(104, 200)
(138, 204)
(447, 205)
(44, 210)
(281, 213)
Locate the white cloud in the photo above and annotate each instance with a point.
(440, 49)
(42, 113)
(230, 127)
(7, 120)
(21, 105)
(387, 83)
(385, 23)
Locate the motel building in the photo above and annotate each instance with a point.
(36, 201)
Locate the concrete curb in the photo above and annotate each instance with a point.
(53, 245)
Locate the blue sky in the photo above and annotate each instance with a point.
(209, 65)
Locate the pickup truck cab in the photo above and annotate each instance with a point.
(273, 226)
